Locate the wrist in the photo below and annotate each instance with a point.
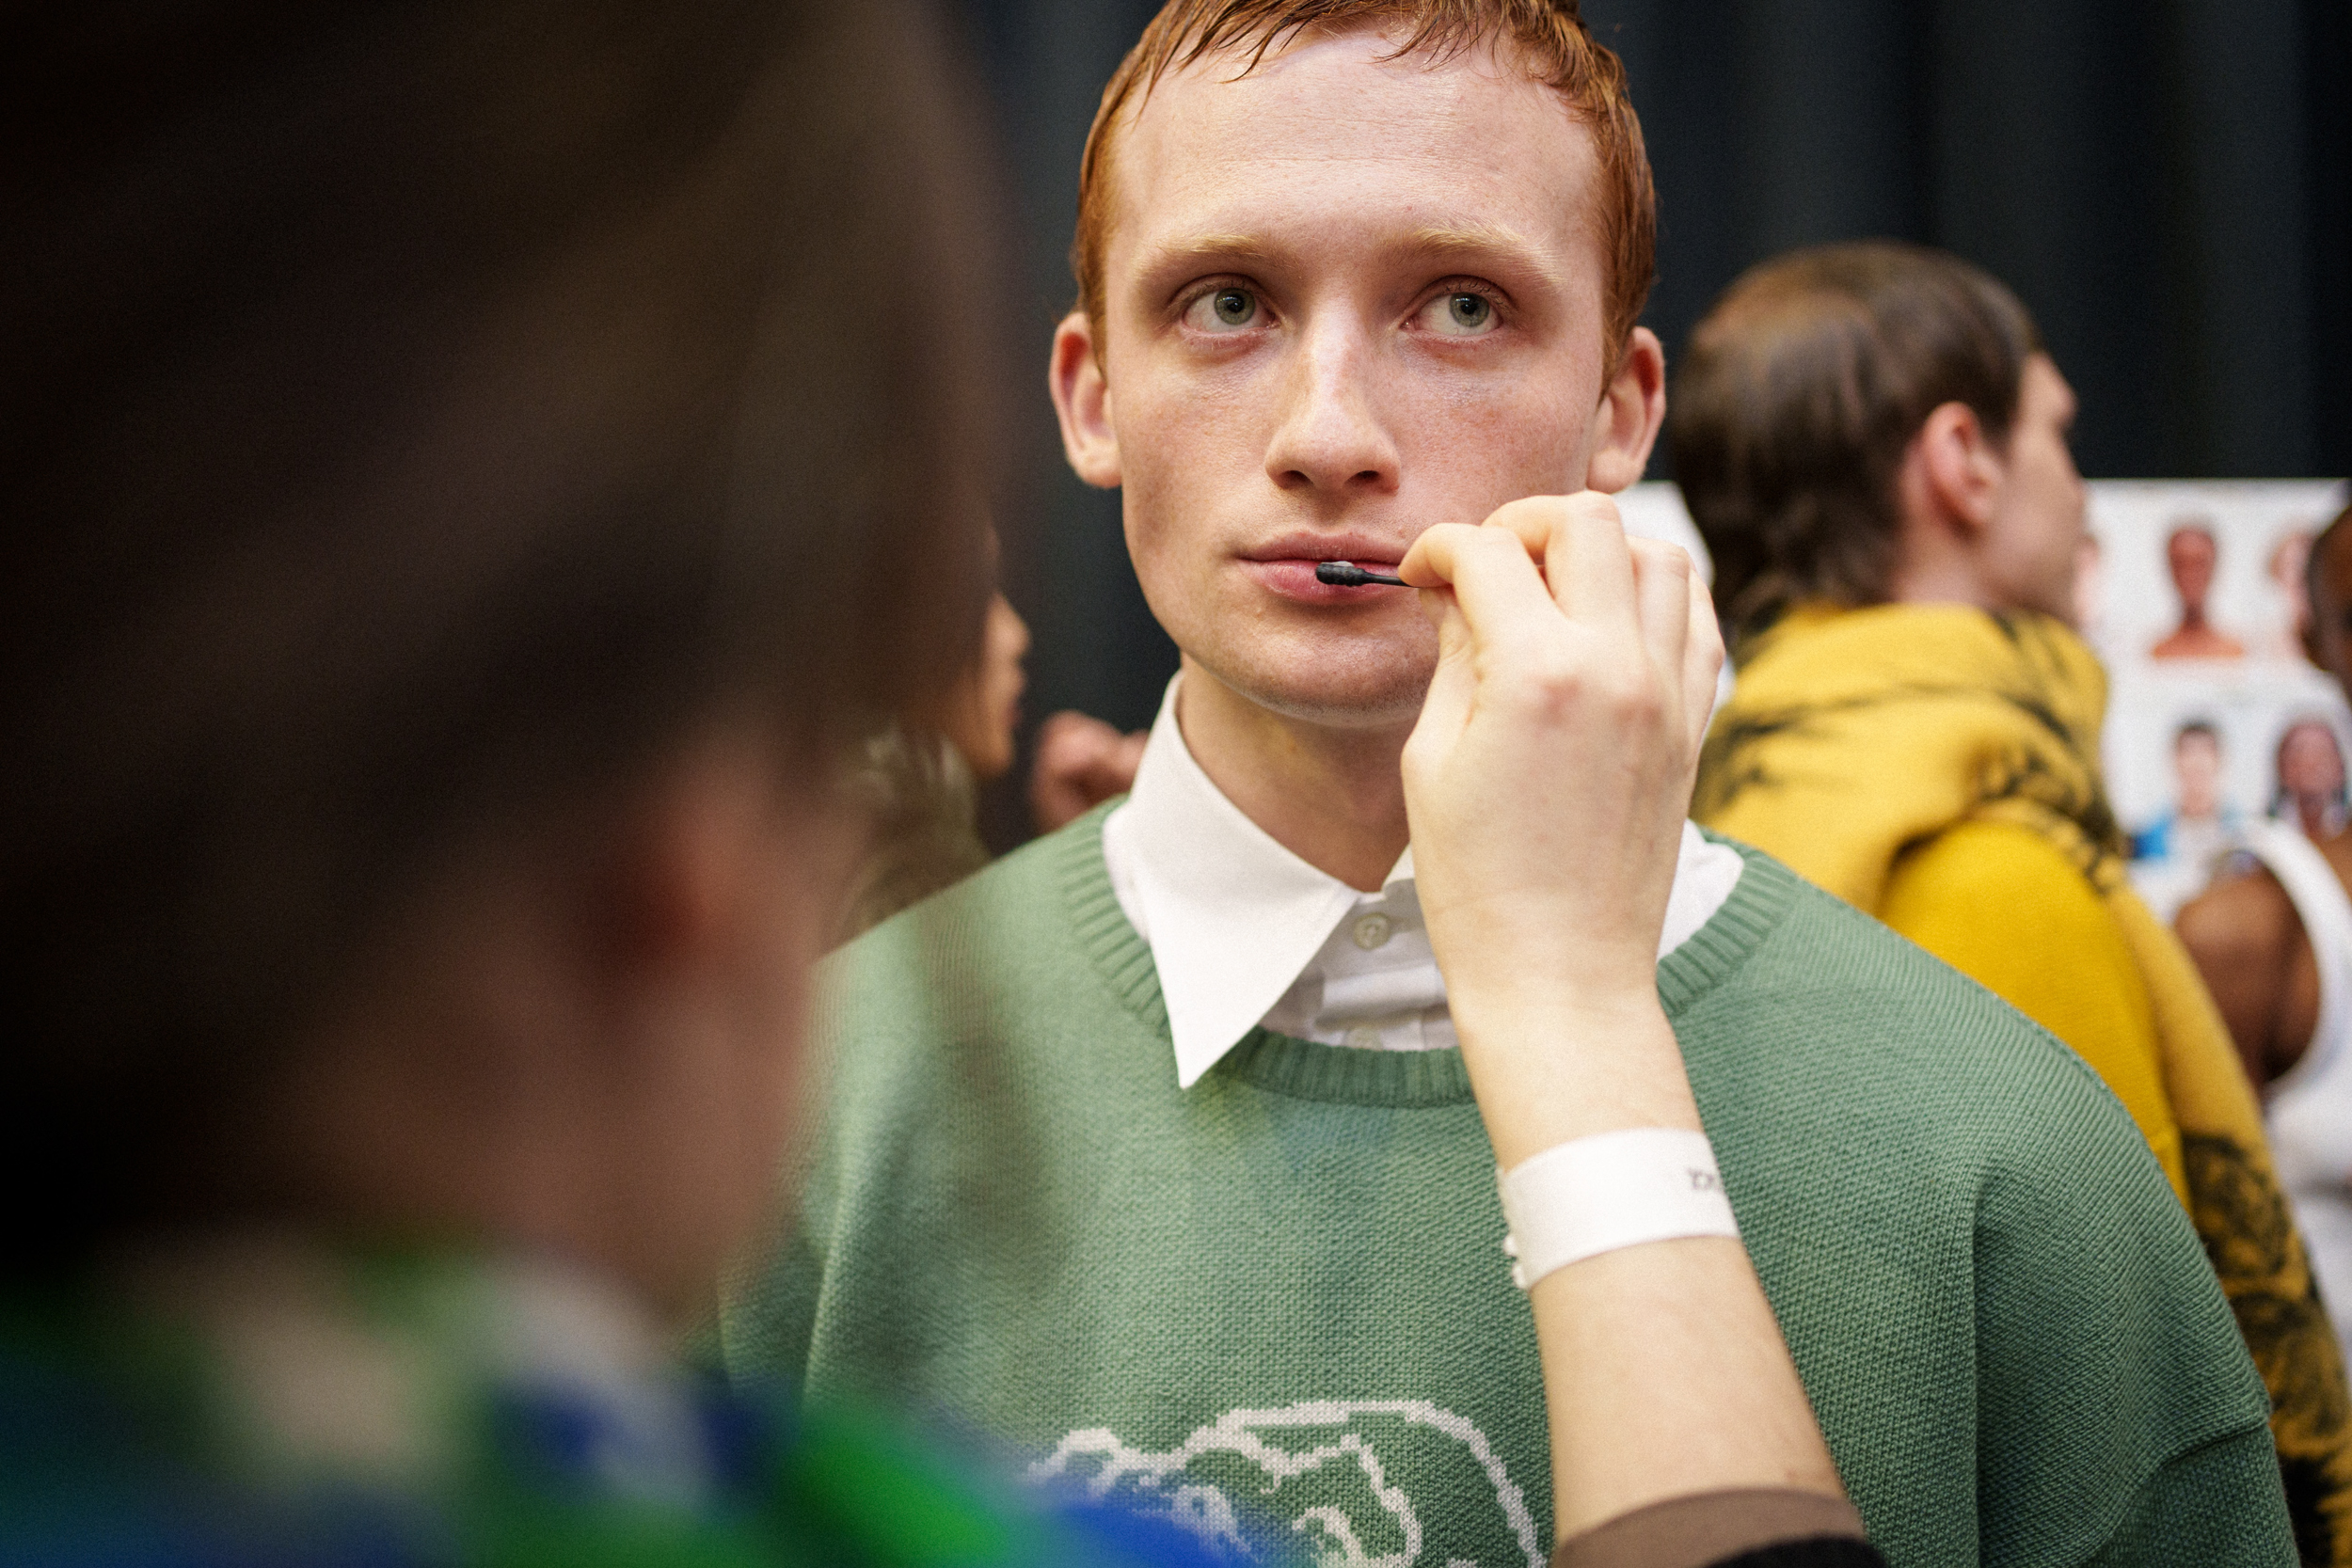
(1608, 1192)
(1547, 1071)
(1531, 964)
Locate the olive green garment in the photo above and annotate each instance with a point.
(1280, 1294)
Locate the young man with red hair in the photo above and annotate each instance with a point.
(1151, 1148)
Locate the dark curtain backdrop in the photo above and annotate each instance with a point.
(2167, 184)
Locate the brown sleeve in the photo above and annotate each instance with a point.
(1709, 1528)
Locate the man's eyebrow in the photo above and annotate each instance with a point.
(1182, 257)
(1476, 243)
(1480, 241)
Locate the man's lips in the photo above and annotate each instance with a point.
(1293, 576)
(1361, 549)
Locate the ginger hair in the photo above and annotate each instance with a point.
(1546, 39)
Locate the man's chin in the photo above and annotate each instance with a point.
(1337, 692)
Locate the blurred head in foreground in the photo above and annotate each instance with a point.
(467, 464)
(1873, 423)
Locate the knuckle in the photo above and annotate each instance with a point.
(1659, 554)
(1558, 681)
(1636, 702)
(1596, 505)
(1540, 669)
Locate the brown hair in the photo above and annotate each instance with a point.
(412, 422)
(1799, 394)
(1550, 39)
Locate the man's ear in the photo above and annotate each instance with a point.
(1632, 409)
(1955, 468)
(1082, 401)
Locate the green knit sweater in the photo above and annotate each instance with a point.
(1278, 1297)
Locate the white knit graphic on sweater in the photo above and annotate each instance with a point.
(1337, 1432)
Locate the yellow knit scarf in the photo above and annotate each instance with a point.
(1852, 735)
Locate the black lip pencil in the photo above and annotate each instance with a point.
(1347, 574)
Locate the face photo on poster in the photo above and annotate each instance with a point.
(2192, 593)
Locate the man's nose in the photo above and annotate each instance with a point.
(1331, 440)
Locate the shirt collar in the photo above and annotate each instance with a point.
(1233, 918)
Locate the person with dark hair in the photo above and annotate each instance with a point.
(2190, 555)
(445, 570)
(1872, 440)
(2196, 831)
(1218, 1058)
(2274, 942)
(917, 781)
(2175, 855)
(2307, 767)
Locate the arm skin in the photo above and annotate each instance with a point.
(2250, 945)
(1665, 1371)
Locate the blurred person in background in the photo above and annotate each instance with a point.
(2191, 555)
(916, 782)
(2273, 939)
(451, 567)
(2308, 767)
(1354, 275)
(2176, 855)
(1873, 442)
(2201, 825)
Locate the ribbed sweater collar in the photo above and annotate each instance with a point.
(1308, 1070)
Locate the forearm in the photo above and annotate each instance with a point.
(1665, 1374)
(1665, 1371)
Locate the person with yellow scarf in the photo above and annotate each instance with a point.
(1872, 442)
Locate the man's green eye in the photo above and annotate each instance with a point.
(1470, 311)
(1233, 307)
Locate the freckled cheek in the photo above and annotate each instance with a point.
(1505, 436)
(1187, 454)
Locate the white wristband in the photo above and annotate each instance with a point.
(1609, 1191)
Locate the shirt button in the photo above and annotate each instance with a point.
(1364, 1037)
(1370, 930)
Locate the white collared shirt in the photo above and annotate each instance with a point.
(1242, 932)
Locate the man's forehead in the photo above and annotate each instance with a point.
(1452, 147)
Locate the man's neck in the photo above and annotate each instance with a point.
(1333, 797)
(1942, 577)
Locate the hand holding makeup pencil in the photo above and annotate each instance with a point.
(1548, 779)
(1546, 784)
